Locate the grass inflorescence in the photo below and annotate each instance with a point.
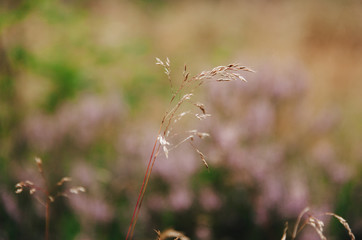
(316, 223)
(45, 196)
(181, 96)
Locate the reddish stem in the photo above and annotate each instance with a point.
(47, 219)
(144, 189)
(148, 172)
(140, 196)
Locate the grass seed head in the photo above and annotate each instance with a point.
(318, 225)
(171, 233)
(344, 223)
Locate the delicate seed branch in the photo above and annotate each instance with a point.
(47, 197)
(184, 93)
(316, 224)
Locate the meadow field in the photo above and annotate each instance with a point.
(83, 88)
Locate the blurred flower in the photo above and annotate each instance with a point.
(324, 154)
(92, 208)
(180, 198)
(260, 118)
(265, 136)
(9, 202)
(203, 232)
(209, 200)
(86, 174)
(156, 202)
(82, 122)
(179, 167)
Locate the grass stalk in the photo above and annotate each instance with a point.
(46, 198)
(143, 190)
(47, 214)
(188, 85)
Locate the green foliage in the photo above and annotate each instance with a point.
(14, 11)
(67, 81)
(68, 226)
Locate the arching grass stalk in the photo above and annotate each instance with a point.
(142, 191)
(183, 95)
(316, 223)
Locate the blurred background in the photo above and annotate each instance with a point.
(79, 88)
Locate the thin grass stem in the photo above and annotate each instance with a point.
(142, 191)
(47, 219)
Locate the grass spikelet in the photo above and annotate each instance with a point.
(63, 180)
(202, 116)
(166, 66)
(201, 107)
(77, 190)
(39, 163)
(202, 156)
